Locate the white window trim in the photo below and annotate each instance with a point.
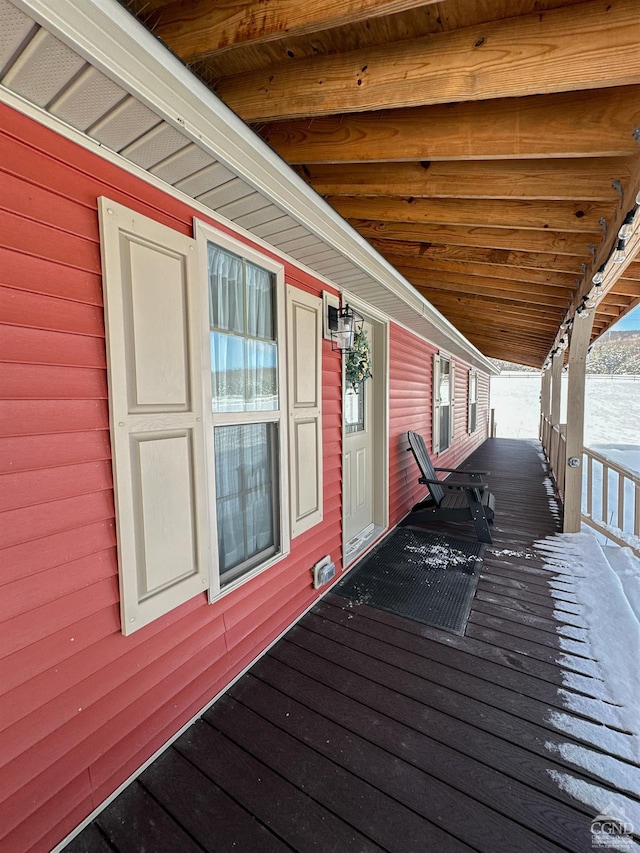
(473, 378)
(204, 234)
(435, 397)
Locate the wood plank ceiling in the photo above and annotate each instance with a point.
(488, 149)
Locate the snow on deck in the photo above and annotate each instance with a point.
(607, 601)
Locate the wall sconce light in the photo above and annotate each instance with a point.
(343, 325)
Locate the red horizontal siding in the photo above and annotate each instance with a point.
(38, 275)
(42, 381)
(27, 488)
(81, 706)
(43, 417)
(38, 311)
(37, 555)
(39, 520)
(22, 345)
(37, 452)
(410, 408)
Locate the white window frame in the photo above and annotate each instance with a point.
(205, 234)
(437, 410)
(472, 414)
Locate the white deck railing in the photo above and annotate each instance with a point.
(610, 492)
(554, 444)
(611, 499)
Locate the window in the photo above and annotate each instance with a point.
(473, 400)
(213, 470)
(246, 407)
(443, 403)
(354, 408)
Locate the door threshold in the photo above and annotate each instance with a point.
(355, 547)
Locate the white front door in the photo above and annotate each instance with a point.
(357, 472)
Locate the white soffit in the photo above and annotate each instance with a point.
(94, 66)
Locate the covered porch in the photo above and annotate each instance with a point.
(359, 730)
(484, 206)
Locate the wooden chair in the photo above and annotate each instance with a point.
(453, 499)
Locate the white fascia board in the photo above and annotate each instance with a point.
(111, 39)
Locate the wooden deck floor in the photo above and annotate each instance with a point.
(364, 731)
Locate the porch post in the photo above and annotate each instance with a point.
(545, 392)
(580, 337)
(545, 398)
(556, 384)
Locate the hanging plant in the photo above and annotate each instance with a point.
(358, 364)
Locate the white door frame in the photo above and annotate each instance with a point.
(380, 449)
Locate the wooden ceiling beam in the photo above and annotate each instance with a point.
(531, 356)
(558, 180)
(541, 300)
(201, 29)
(507, 340)
(520, 315)
(478, 255)
(614, 301)
(628, 288)
(591, 45)
(554, 243)
(466, 272)
(499, 295)
(516, 342)
(564, 216)
(632, 272)
(598, 123)
(521, 310)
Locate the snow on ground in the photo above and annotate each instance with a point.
(612, 428)
(612, 409)
(612, 639)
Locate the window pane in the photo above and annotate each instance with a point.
(354, 408)
(228, 372)
(228, 461)
(262, 376)
(444, 427)
(231, 548)
(259, 520)
(260, 292)
(244, 353)
(445, 390)
(226, 290)
(246, 489)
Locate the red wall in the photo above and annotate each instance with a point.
(81, 706)
(410, 396)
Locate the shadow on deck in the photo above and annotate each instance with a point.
(362, 731)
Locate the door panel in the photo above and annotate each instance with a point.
(358, 458)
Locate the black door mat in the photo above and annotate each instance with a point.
(421, 575)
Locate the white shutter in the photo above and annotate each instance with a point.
(435, 429)
(150, 282)
(452, 407)
(304, 371)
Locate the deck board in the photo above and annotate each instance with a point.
(362, 730)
